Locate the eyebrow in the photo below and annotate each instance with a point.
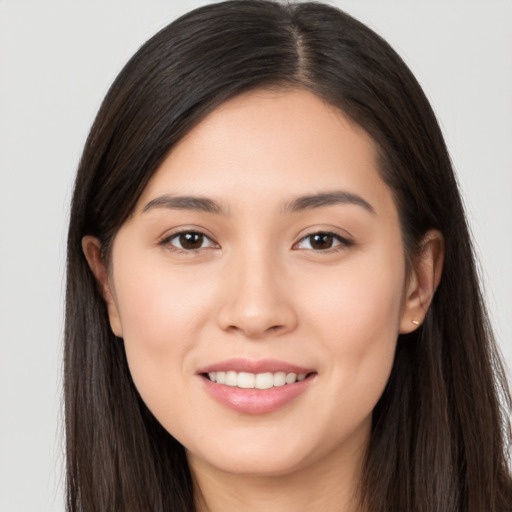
(300, 203)
(328, 199)
(202, 204)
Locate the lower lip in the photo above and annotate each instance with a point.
(256, 401)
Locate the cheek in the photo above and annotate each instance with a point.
(159, 305)
(358, 320)
(161, 316)
(362, 297)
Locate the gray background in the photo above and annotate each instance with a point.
(57, 60)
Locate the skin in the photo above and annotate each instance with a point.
(257, 288)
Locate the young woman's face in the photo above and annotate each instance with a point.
(259, 286)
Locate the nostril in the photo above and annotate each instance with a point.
(256, 319)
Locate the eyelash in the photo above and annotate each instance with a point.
(168, 239)
(342, 242)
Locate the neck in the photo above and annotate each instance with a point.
(329, 485)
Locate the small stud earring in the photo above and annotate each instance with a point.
(415, 322)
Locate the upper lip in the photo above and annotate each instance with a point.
(254, 366)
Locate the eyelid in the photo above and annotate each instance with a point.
(165, 240)
(343, 241)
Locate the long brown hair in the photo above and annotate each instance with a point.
(440, 436)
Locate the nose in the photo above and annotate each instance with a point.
(256, 301)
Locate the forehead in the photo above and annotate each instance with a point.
(264, 145)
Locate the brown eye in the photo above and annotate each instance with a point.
(323, 241)
(189, 241)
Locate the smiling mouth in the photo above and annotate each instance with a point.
(256, 387)
(246, 380)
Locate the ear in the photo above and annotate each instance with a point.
(425, 275)
(92, 251)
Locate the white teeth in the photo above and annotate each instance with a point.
(248, 380)
(231, 379)
(279, 379)
(291, 378)
(264, 381)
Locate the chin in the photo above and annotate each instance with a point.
(257, 465)
(258, 455)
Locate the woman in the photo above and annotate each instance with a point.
(272, 301)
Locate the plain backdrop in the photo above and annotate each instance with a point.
(57, 60)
